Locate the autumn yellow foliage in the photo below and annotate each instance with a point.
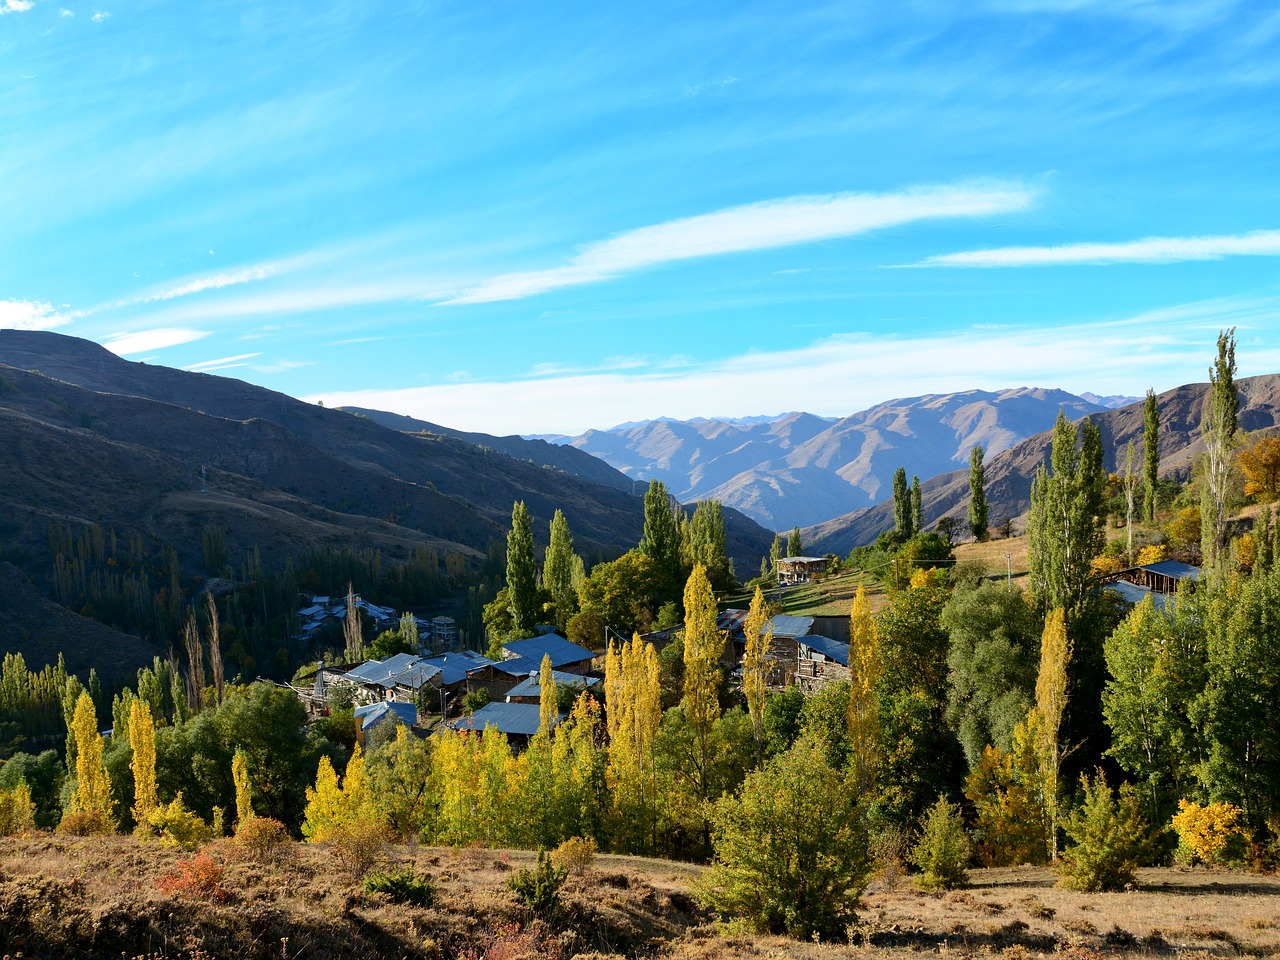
(1205, 832)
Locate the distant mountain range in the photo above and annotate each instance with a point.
(1009, 474)
(799, 469)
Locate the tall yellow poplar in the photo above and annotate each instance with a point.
(1051, 703)
(547, 695)
(93, 786)
(759, 635)
(324, 805)
(864, 703)
(142, 737)
(703, 644)
(244, 793)
(633, 705)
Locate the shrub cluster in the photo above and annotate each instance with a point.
(539, 889)
(196, 878)
(1207, 833)
(942, 852)
(1110, 839)
(575, 855)
(401, 886)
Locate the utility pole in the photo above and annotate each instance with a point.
(1008, 573)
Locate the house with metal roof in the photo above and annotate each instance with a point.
(529, 690)
(1157, 580)
(519, 721)
(819, 661)
(523, 656)
(373, 715)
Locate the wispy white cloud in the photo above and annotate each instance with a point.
(64, 12)
(30, 315)
(100, 15)
(213, 282)
(847, 373)
(221, 362)
(756, 226)
(143, 341)
(15, 6)
(1260, 243)
(282, 366)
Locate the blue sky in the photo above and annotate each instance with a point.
(539, 218)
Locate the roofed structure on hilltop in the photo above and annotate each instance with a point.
(373, 715)
(1156, 580)
(521, 657)
(801, 569)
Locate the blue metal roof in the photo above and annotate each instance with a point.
(376, 713)
(406, 668)
(531, 686)
(521, 719)
(831, 649)
(785, 625)
(1175, 569)
(454, 667)
(1134, 594)
(560, 650)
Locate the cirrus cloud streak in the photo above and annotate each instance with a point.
(1259, 243)
(756, 226)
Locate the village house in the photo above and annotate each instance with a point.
(793, 570)
(1156, 580)
(518, 721)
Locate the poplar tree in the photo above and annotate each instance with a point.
(215, 647)
(92, 794)
(547, 705)
(142, 739)
(633, 708)
(661, 539)
(522, 585)
(864, 697)
(195, 664)
(901, 505)
(917, 507)
(758, 630)
(1051, 704)
(1065, 524)
(1129, 480)
(1150, 455)
(558, 570)
(1219, 433)
(244, 792)
(703, 644)
(977, 494)
(352, 632)
(795, 548)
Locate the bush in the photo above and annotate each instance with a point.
(359, 845)
(539, 889)
(264, 840)
(401, 886)
(84, 823)
(197, 878)
(942, 852)
(790, 847)
(17, 812)
(178, 826)
(1211, 833)
(575, 855)
(1110, 838)
(473, 701)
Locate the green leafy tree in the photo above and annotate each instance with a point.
(706, 543)
(1219, 434)
(917, 507)
(1108, 839)
(977, 494)
(795, 548)
(661, 539)
(943, 849)
(901, 505)
(522, 572)
(790, 849)
(1150, 455)
(623, 591)
(558, 571)
(994, 640)
(1156, 665)
(1065, 528)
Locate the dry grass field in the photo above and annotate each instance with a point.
(98, 897)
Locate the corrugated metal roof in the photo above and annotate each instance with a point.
(785, 625)
(553, 645)
(531, 686)
(1135, 594)
(521, 719)
(831, 649)
(801, 559)
(375, 713)
(454, 667)
(1175, 569)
